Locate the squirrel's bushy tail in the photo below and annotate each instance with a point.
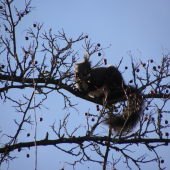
(130, 116)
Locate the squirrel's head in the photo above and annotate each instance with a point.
(82, 68)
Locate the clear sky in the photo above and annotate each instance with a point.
(132, 25)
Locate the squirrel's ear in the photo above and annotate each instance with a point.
(86, 57)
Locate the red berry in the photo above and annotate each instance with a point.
(151, 61)
(166, 134)
(166, 122)
(151, 92)
(99, 54)
(1, 7)
(36, 62)
(34, 25)
(97, 107)
(158, 67)
(167, 91)
(92, 119)
(144, 64)
(105, 61)
(85, 114)
(86, 36)
(98, 45)
(154, 68)
(152, 119)
(131, 81)
(26, 38)
(41, 119)
(162, 161)
(28, 155)
(137, 70)
(28, 134)
(126, 67)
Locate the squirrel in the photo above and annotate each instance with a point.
(107, 83)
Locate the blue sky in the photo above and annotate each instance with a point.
(127, 25)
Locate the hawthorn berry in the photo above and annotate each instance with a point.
(22, 14)
(137, 70)
(99, 54)
(26, 38)
(86, 36)
(41, 119)
(34, 25)
(166, 134)
(28, 134)
(131, 81)
(154, 68)
(28, 155)
(144, 64)
(151, 61)
(126, 67)
(166, 122)
(92, 119)
(105, 61)
(151, 92)
(162, 161)
(152, 119)
(98, 45)
(97, 107)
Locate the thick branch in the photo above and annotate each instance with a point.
(81, 140)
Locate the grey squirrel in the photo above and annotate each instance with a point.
(107, 83)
